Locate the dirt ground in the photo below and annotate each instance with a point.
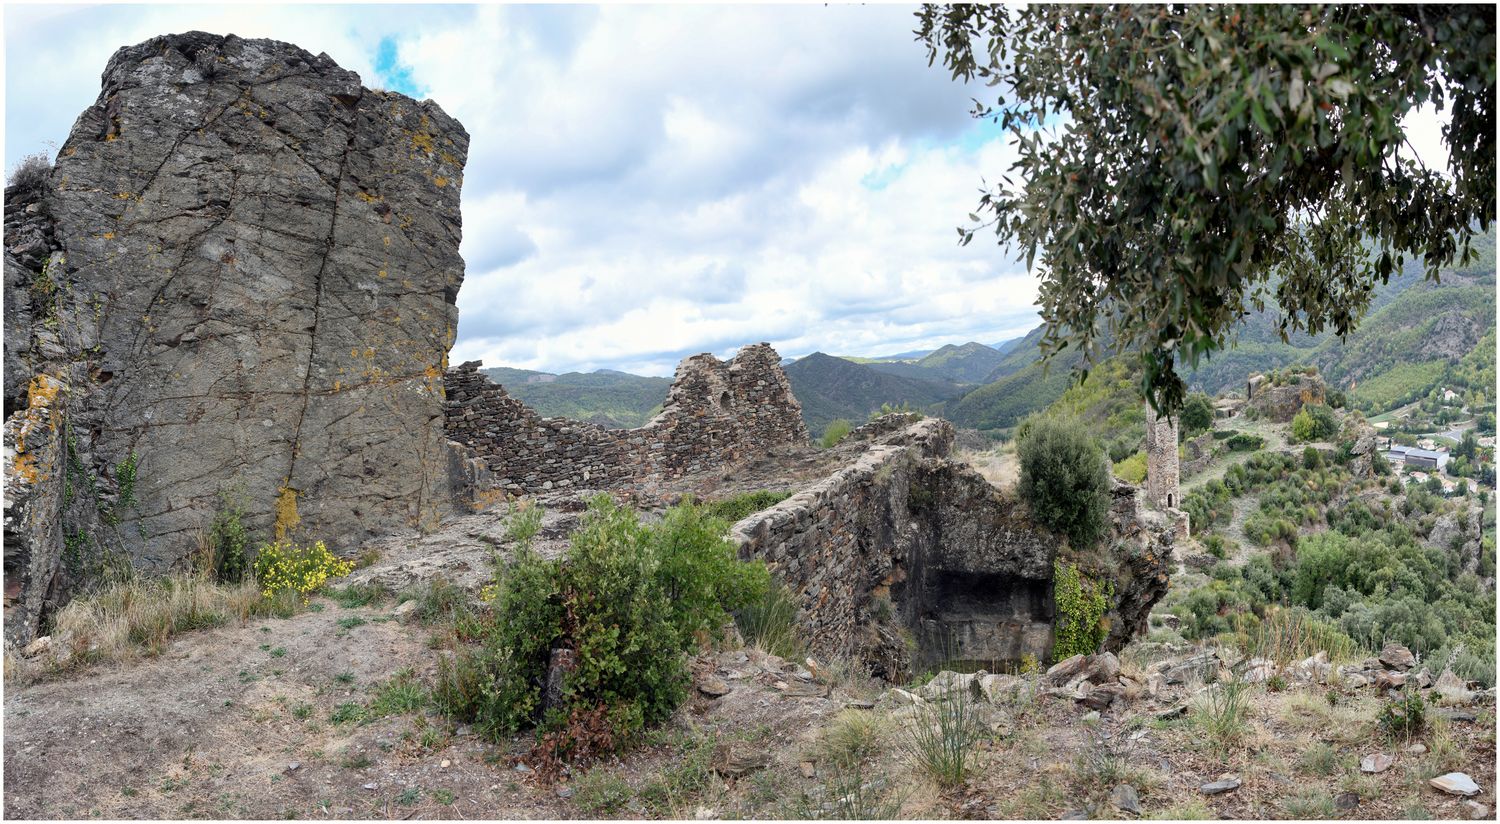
(282, 718)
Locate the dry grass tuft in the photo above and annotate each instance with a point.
(138, 616)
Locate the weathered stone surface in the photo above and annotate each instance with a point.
(1452, 689)
(1397, 657)
(1377, 762)
(958, 563)
(1223, 785)
(735, 759)
(261, 266)
(1125, 799)
(1455, 783)
(1281, 403)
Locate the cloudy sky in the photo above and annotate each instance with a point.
(646, 183)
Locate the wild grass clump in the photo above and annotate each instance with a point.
(837, 430)
(739, 507)
(1288, 635)
(941, 738)
(770, 623)
(1220, 715)
(1309, 804)
(1321, 759)
(854, 735)
(601, 792)
(139, 615)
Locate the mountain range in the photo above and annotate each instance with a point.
(1414, 330)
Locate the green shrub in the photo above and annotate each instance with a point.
(700, 571)
(223, 548)
(1132, 469)
(837, 430)
(1222, 434)
(1311, 459)
(1404, 716)
(1197, 414)
(1081, 605)
(628, 599)
(1244, 442)
(1064, 479)
(1314, 422)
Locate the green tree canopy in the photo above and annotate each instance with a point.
(1197, 414)
(1181, 165)
(1064, 478)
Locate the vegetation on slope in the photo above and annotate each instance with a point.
(830, 388)
(610, 398)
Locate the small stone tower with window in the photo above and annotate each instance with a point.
(1161, 460)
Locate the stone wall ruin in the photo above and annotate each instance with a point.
(717, 413)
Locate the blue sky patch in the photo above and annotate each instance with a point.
(391, 73)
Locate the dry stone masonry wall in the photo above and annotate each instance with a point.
(717, 413)
(245, 283)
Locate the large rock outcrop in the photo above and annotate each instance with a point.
(905, 542)
(241, 282)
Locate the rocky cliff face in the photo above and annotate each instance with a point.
(239, 280)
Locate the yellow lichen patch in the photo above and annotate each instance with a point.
(383, 274)
(108, 236)
(287, 518)
(110, 138)
(422, 141)
(440, 181)
(386, 239)
(69, 152)
(123, 195)
(42, 391)
(367, 197)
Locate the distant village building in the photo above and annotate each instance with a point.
(1416, 457)
(1449, 395)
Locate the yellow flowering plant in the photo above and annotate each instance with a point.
(284, 565)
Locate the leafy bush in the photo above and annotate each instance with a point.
(1081, 605)
(1064, 479)
(628, 599)
(1404, 716)
(282, 565)
(1314, 422)
(1132, 469)
(1244, 442)
(837, 430)
(221, 551)
(1197, 414)
(1222, 434)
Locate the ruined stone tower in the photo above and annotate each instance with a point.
(1161, 460)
